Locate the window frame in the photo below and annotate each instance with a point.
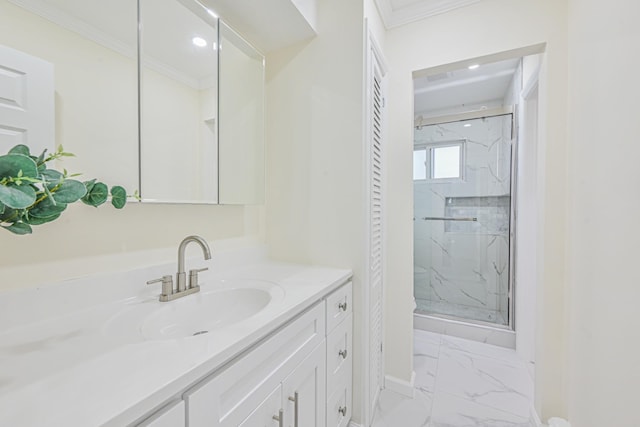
(429, 166)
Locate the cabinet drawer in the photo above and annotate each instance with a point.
(339, 305)
(226, 398)
(339, 354)
(172, 415)
(339, 406)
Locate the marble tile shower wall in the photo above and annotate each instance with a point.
(462, 268)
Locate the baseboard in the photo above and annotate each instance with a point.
(352, 424)
(534, 419)
(401, 386)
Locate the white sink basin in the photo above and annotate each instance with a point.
(218, 304)
(202, 312)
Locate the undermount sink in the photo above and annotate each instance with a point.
(218, 304)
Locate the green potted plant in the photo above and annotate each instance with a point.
(31, 193)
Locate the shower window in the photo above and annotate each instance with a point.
(438, 162)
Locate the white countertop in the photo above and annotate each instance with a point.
(62, 369)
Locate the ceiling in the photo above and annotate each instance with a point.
(463, 89)
(395, 13)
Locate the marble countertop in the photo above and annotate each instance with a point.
(59, 367)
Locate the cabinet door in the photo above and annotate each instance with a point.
(303, 392)
(263, 415)
(173, 415)
(228, 397)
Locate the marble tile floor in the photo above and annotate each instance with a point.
(460, 383)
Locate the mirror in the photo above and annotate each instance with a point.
(178, 102)
(241, 120)
(91, 49)
(183, 142)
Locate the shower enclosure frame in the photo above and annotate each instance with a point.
(480, 114)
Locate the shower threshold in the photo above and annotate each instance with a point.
(475, 330)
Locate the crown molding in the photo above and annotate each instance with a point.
(393, 18)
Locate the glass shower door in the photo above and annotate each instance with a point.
(462, 209)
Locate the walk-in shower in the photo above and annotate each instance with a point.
(462, 219)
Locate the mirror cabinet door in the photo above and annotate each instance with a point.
(241, 147)
(88, 52)
(178, 67)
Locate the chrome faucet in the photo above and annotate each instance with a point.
(181, 276)
(168, 292)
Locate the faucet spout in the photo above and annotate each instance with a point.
(181, 276)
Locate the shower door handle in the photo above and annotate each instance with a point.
(446, 218)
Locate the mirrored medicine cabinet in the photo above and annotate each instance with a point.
(155, 95)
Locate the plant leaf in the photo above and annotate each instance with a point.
(20, 149)
(89, 185)
(12, 164)
(70, 191)
(18, 228)
(39, 221)
(97, 195)
(8, 215)
(17, 196)
(47, 208)
(118, 197)
(53, 177)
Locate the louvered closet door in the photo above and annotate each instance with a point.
(375, 351)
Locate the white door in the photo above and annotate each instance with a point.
(26, 101)
(303, 392)
(376, 247)
(263, 415)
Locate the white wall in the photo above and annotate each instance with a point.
(315, 148)
(96, 110)
(604, 201)
(482, 29)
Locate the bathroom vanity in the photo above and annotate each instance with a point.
(261, 344)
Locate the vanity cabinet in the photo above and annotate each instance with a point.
(297, 376)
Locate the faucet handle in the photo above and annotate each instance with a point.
(193, 276)
(167, 285)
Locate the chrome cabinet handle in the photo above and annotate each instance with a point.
(343, 410)
(294, 399)
(343, 306)
(343, 353)
(279, 418)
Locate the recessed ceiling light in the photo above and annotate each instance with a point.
(199, 41)
(474, 66)
(467, 125)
